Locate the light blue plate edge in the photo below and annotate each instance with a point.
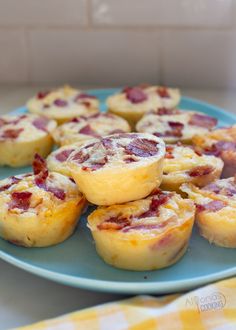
(127, 287)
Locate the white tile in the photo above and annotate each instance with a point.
(95, 57)
(40, 12)
(199, 58)
(163, 12)
(13, 57)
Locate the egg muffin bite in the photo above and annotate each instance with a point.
(220, 142)
(146, 234)
(118, 168)
(133, 102)
(183, 164)
(85, 128)
(21, 136)
(39, 209)
(174, 125)
(216, 210)
(63, 104)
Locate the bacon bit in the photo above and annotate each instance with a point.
(87, 130)
(75, 120)
(129, 160)
(40, 170)
(142, 148)
(41, 123)
(80, 157)
(201, 170)
(20, 200)
(84, 96)
(87, 104)
(165, 111)
(13, 180)
(202, 121)
(212, 187)
(135, 94)
(63, 155)
(197, 151)
(169, 152)
(147, 226)
(95, 166)
(57, 192)
(176, 129)
(163, 92)
(11, 133)
(72, 180)
(212, 206)
(156, 202)
(114, 223)
(107, 143)
(42, 95)
(60, 103)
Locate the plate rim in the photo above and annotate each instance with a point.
(123, 286)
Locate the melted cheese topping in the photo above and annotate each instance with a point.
(159, 124)
(171, 214)
(24, 124)
(97, 125)
(185, 159)
(40, 200)
(226, 192)
(74, 105)
(120, 102)
(220, 134)
(110, 151)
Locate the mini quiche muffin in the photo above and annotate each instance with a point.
(119, 168)
(220, 142)
(174, 125)
(57, 160)
(63, 104)
(39, 209)
(133, 102)
(216, 210)
(85, 128)
(183, 164)
(146, 234)
(22, 136)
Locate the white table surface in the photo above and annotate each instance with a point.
(26, 298)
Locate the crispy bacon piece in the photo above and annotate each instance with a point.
(114, 223)
(11, 133)
(87, 130)
(129, 160)
(80, 157)
(203, 121)
(163, 92)
(156, 202)
(60, 103)
(142, 148)
(20, 200)
(212, 206)
(201, 170)
(75, 120)
(166, 111)
(84, 96)
(169, 152)
(96, 165)
(13, 180)
(135, 94)
(41, 123)
(42, 95)
(63, 155)
(40, 170)
(57, 192)
(107, 143)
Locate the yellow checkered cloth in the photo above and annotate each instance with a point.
(212, 307)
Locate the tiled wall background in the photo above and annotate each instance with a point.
(117, 42)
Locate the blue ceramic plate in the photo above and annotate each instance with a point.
(76, 263)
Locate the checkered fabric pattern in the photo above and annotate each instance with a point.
(212, 307)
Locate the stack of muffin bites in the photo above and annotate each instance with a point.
(150, 168)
